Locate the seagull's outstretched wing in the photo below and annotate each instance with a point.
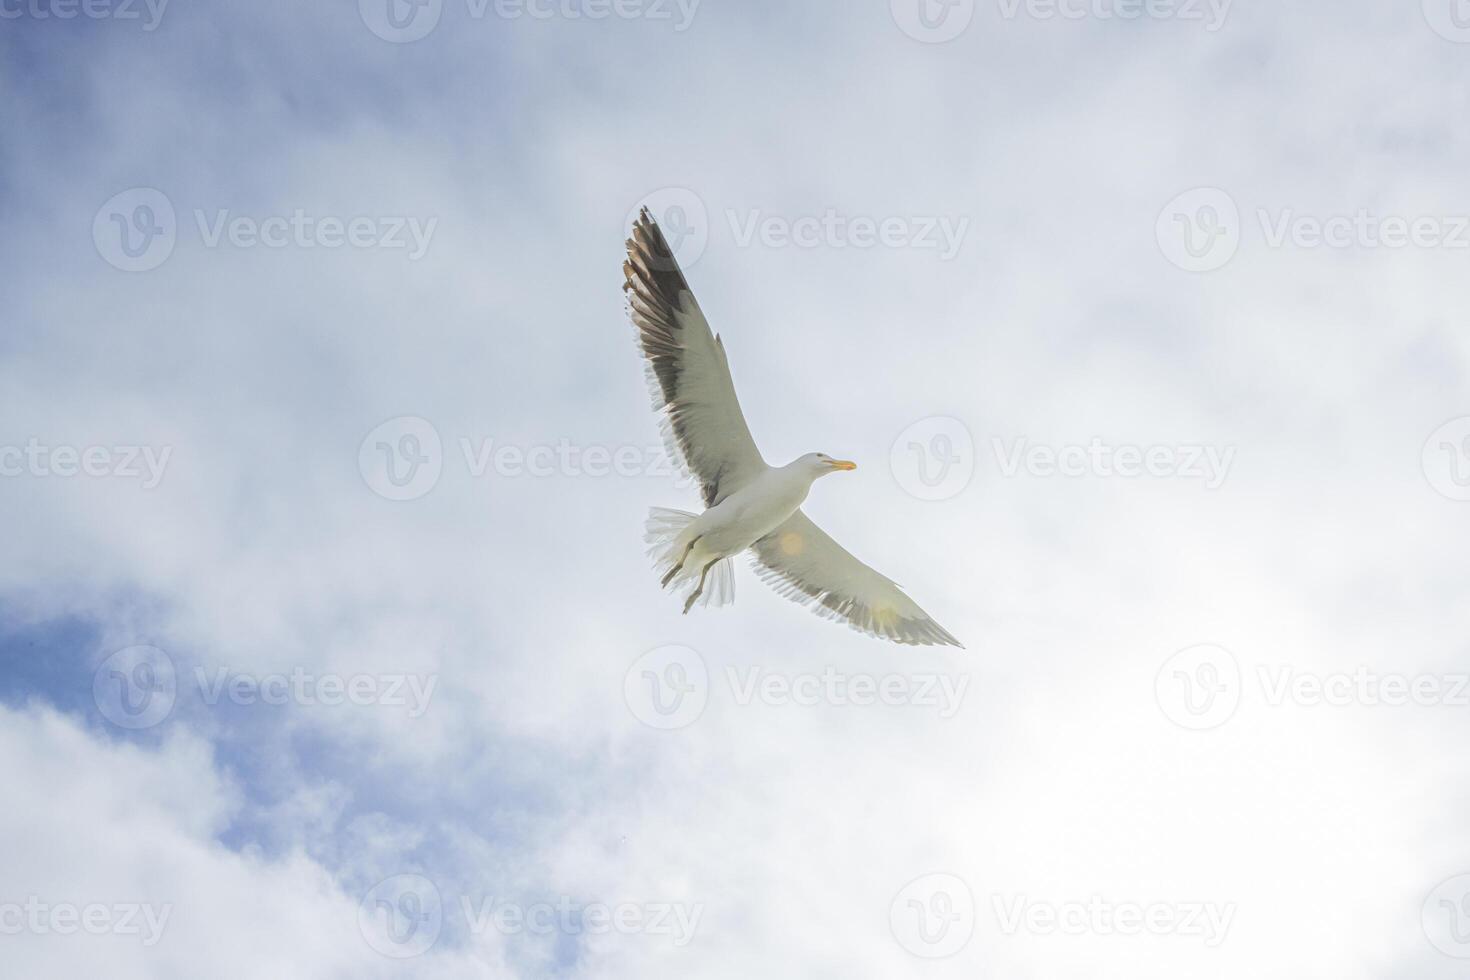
(688, 375)
(802, 562)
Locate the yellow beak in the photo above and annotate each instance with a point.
(841, 464)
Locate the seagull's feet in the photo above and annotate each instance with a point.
(699, 590)
(675, 570)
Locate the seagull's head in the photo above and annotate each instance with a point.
(820, 464)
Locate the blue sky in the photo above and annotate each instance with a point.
(249, 249)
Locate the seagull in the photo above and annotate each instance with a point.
(749, 505)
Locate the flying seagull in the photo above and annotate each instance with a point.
(749, 504)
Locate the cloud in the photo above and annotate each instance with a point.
(1058, 318)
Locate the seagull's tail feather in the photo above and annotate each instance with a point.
(719, 590)
(668, 543)
(664, 533)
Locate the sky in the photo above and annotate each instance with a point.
(328, 643)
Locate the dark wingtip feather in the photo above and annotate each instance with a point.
(652, 249)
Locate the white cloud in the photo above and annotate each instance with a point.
(115, 825)
(1058, 320)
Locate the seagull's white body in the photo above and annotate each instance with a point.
(750, 505)
(748, 514)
